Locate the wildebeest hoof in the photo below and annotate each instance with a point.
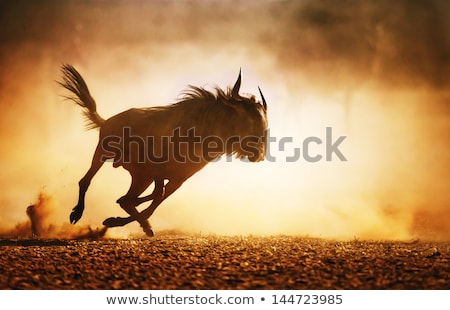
(115, 221)
(149, 232)
(75, 215)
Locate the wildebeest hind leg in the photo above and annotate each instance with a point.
(84, 183)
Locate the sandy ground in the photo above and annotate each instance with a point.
(213, 262)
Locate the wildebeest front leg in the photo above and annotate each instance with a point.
(138, 200)
(167, 190)
(170, 188)
(131, 199)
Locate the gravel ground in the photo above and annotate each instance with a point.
(212, 262)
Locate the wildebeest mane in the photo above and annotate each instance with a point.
(205, 111)
(200, 93)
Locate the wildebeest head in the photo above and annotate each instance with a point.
(251, 125)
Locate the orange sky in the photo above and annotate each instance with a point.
(375, 72)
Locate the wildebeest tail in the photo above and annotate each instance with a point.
(74, 82)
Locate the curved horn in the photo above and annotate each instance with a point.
(263, 100)
(237, 86)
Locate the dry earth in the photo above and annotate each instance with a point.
(212, 262)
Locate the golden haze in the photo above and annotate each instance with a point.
(395, 114)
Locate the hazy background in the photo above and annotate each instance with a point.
(377, 72)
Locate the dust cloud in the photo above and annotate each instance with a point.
(376, 72)
(41, 225)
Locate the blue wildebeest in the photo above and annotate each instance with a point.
(168, 144)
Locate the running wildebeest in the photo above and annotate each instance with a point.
(168, 144)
